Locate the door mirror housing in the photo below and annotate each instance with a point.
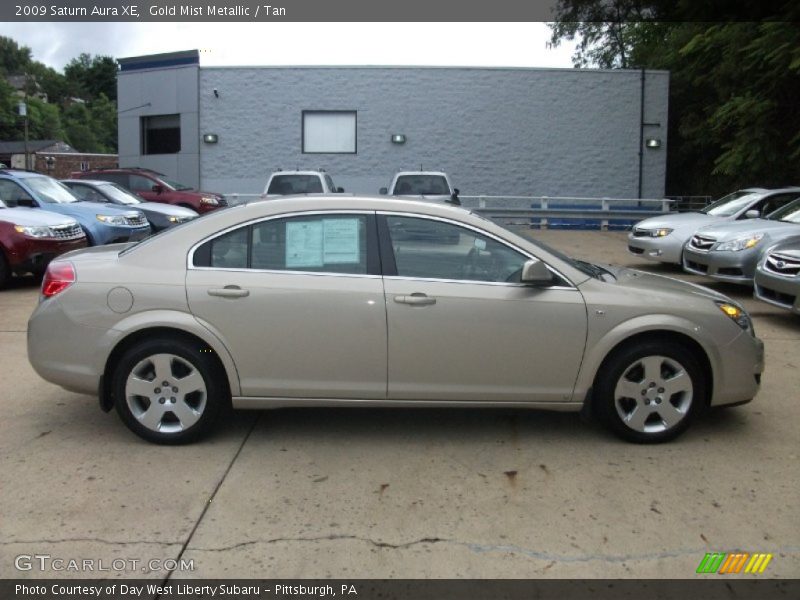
(535, 272)
(383, 191)
(157, 188)
(340, 190)
(752, 214)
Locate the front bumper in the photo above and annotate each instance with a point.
(733, 267)
(33, 255)
(741, 365)
(664, 249)
(116, 234)
(778, 291)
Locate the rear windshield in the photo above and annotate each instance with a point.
(421, 185)
(295, 184)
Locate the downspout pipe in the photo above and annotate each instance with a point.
(641, 128)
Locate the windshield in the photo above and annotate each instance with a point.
(729, 205)
(283, 185)
(50, 191)
(178, 187)
(119, 194)
(788, 214)
(421, 185)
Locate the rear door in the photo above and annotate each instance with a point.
(462, 327)
(299, 303)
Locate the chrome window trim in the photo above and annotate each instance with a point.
(190, 256)
(484, 233)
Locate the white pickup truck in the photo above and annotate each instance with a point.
(423, 185)
(283, 183)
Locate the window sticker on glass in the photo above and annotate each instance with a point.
(304, 244)
(480, 244)
(341, 241)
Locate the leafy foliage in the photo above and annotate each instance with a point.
(81, 104)
(734, 86)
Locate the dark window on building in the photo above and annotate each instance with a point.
(161, 134)
(329, 131)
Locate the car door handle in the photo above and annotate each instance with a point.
(415, 299)
(229, 291)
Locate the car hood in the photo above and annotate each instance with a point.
(660, 286)
(688, 220)
(728, 231)
(84, 209)
(165, 209)
(31, 217)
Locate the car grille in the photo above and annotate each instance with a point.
(696, 266)
(781, 264)
(137, 221)
(67, 232)
(641, 232)
(702, 243)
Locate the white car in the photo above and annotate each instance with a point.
(423, 185)
(285, 183)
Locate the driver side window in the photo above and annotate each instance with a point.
(425, 248)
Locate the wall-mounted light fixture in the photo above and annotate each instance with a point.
(398, 138)
(653, 143)
(210, 138)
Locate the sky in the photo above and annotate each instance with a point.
(230, 44)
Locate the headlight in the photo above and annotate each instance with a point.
(112, 219)
(664, 231)
(209, 200)
(737, 314)
(741, 243)
(178, 219)
(35, 232)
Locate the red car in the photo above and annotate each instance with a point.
(156, 187)
(30, 239)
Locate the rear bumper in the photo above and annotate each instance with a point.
(778, 291)
(733, 267)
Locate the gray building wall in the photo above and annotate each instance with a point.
(556, 132)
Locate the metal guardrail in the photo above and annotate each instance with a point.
(549, 211)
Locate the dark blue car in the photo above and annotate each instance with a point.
(103, 224)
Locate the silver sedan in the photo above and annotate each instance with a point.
(730, 251)
(325, 301)
(663, 238)
(777, 279)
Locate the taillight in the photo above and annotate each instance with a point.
(58, 277)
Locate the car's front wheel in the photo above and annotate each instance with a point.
(650, 392)
(168, 391)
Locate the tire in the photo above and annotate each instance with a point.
(5, 270)
(178, 415)
(650, 392)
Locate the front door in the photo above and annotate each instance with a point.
(462, 327)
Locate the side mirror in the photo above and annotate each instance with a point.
(456, 191)
(340, 190)
(535, 272)
(383, 191)
(157, 188)
(752, 214)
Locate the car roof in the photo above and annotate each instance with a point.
(303, 172)
(21, 174)
(442, 173)
(89, 181)
(344, 202)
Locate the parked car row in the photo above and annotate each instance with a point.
(737, 239)
(42, 218)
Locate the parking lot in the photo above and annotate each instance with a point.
(357, 493)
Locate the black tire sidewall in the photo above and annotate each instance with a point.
(216, 390)
(616, 364)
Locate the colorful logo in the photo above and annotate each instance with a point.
(736, 562)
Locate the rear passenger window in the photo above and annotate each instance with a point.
(317, 244)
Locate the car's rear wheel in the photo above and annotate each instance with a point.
(168, 391)
(650, 392)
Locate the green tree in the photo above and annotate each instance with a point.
(80, 133)
(92, 76)
(733, 85)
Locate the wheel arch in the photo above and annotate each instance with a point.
(671, 330)
(218, 352)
